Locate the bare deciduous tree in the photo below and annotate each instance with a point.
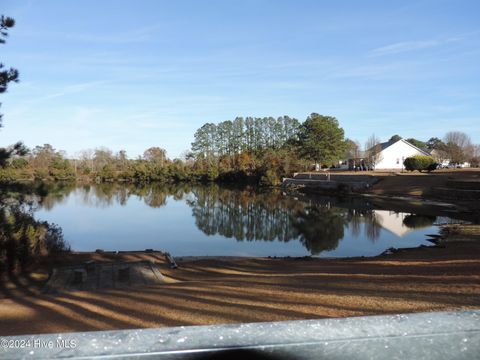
(353, 149)
(373, 151)
(86, 159)
(457, 137)
(458, 146)
(155, 155)
(103, 157)
(475, 160)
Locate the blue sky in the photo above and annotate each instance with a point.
(134, 74)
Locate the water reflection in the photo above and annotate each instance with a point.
(418, 221)
(320, 228)
(104, 195)
(22, 237)
(246, 215)
(268, 216)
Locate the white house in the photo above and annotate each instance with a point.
(388, 155)
(392, 154)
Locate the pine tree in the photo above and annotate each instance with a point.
(10, 74)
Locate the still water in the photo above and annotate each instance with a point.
(212, 220)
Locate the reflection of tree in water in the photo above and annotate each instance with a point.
(244, 214)
(320, 228)
(47, 195)
(372, 227)
(22, 238)
(418, 221)
(104, 195)
(354, 221)
(268, 216)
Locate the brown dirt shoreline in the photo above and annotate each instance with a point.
(232, 290)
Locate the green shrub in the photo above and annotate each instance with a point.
(420, 163)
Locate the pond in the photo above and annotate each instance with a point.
(219, 221)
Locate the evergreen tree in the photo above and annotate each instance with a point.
(395, 138)
(418, 143)
(11, 74)
(321, 139)
(434, 143)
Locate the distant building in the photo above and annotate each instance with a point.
(385, 156)
(441, 157)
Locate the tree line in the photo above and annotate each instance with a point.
(254, 150)
(257, 150)
(264, 150)
(248, 134)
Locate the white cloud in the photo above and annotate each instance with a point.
(138, 35)
(370, 70)
(72, 89)
(401, 47)
(407, 46)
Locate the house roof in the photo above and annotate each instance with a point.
(387, 144)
